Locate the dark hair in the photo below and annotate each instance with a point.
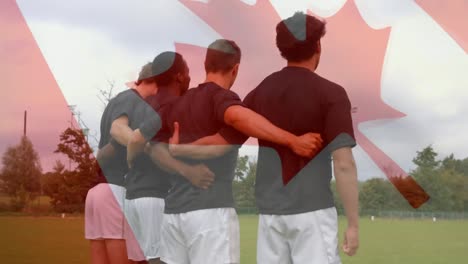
(297, 36)
(166, 66)
(222, 55)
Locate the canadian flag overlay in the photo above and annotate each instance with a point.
(356, 53)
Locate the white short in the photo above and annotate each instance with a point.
(145, 216)
(308, 238)
(104, 218)
(201, 237)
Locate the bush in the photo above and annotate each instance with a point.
(4, 207)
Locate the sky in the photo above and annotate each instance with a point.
(85, 44)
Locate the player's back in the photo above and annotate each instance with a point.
(200, 113)
(119, 105)
(146, 179)
(299, 101)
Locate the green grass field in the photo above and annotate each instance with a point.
(54, 240)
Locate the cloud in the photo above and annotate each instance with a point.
(139, 24)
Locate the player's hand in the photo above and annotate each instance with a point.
(200, 176)
(351, 241)
(174, 140)
(307, 145)
(148, 148)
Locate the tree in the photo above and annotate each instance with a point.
(451, 163)
(444, 180)
(427, 175)
(244, 185)
(464, 167)
(373, 195)
(21, 174)
(68, 188)
(105, 95)
(246, 188)
(426, 159)
(453, 190)
(241, 167)
(52, 182)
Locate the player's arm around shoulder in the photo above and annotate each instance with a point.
(255, 125)
(136, 145)
(199, 175)
(208, 147)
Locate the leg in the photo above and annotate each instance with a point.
(173, 242)
(313, 237)
(150, 216)
(98, 252)
(213, 236)
(133, 233)
(272, 246)
(117, 251)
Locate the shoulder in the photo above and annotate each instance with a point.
(272, 78)
(123, 97)
(153, 101)
(331, 89)
(218, 92)
(268, 84)
(213, 88)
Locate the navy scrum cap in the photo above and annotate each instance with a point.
(163, 62)
(146, 71)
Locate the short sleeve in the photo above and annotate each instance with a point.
(233, 136)
(124, 107)
(222, 100)
(338, 128)
(151, 125)
(250, 99)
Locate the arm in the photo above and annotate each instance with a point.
(255, 125)
(199, 175)
(139, 138)
(105, 154)
(204, 148)
(347, 187)
(120, 130)
(136, 145)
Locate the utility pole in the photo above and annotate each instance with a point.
(72, 113)
(25, 122)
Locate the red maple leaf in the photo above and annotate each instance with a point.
(352, 56)
(451, 16)
(29, 84)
